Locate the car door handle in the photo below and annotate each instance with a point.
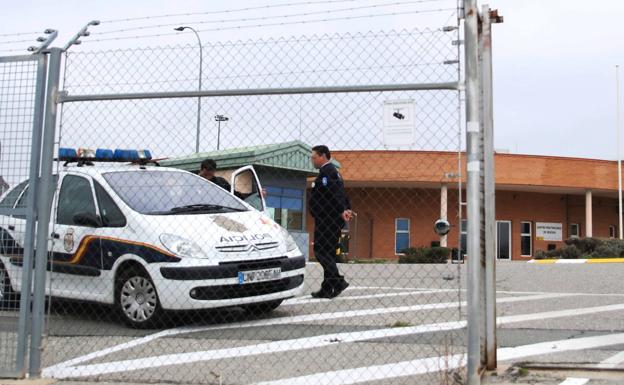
(55, 235)
(11, 227)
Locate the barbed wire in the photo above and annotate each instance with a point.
(17, 41)
(19, 33)
(283, 16)
(13, 50)
(279, 24)
(264, 7)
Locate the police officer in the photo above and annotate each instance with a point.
(207, 170)
(330, 208)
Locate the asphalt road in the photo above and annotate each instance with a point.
(396, 324)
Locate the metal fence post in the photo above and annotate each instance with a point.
(489, 190)
(31, 214)
(473, 182)
(44, 203)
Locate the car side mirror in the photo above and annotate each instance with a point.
(442, 227)
(87, 219)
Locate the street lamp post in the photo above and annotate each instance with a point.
(219, 119)
(182, 28)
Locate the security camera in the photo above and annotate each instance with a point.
(398, 115)
(442, 227)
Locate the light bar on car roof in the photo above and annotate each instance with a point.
(131, 155)
(103, 155)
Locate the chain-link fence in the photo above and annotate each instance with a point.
(21, 96)
(154, 274)
(220, 280)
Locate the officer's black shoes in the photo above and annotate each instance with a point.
(323, 293)
(339, 288)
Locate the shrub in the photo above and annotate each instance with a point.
(570, 252)
(585, 245)
(550, 254)
(610, 248)
(425, 255)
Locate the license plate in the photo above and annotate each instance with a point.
(259, 275)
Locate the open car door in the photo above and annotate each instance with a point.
(246, 186)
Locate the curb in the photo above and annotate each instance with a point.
(576, 261)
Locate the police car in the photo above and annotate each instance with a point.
(147, 239)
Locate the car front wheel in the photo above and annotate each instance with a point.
(137, 299)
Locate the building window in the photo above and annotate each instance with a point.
(612, 231)
(526, 240)
(285, 206)
(401, 235)
(463, 234)
(575, 230)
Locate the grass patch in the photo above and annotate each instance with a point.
(400, 324)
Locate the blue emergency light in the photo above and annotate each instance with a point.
(103, 155)
(121, 155)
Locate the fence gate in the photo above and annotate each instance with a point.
(266, 103)
(22, 87)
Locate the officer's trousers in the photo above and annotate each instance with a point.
(326, 241)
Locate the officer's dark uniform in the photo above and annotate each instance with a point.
(327, 203)
(221, 182)
(224, 184)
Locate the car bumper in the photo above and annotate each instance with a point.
(185, 288)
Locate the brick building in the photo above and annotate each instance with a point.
(540, 201)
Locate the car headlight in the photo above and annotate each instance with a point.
(181, 246)
(290, 241)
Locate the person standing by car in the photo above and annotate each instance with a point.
(330, 208)
(207, 171)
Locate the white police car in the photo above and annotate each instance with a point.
(148, 239)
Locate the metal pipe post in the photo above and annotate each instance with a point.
(31, 213)
(473, 189)
(489, 190)
(44, 206)
(200, 88)
(201, 65)
(619, 143)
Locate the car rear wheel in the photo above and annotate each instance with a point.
(262, 307)
(8, 298)
(136, 299)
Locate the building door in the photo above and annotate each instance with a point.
(503, 239)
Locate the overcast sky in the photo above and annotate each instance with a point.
(554, 60)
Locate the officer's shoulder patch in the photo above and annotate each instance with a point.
(324, 181)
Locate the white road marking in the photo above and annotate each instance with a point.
(609, 363)
(309, 299)
(392, 288)
(463, 290)
(67, 371)
(435, 364)
(613, 361)
(575, 381)
(287, 320)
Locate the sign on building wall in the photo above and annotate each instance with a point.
(545, 231)
(398, 123)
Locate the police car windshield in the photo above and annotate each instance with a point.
(169, 192)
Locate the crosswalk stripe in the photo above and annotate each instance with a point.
(67, 371)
